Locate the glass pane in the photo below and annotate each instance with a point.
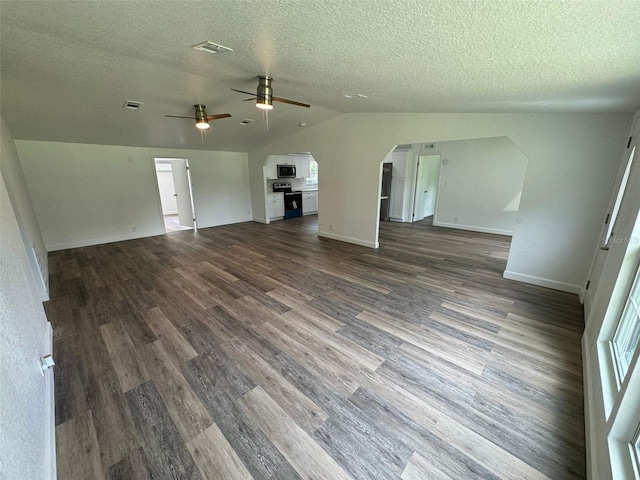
(627, 336)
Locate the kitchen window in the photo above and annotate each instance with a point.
(312, 179)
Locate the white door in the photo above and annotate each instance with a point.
(426, 187)
(420, 197)
(183, 192)
(433, 175)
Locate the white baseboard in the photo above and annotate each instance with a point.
(474, 228)
(543, 282)
(342, 238)
(50, 428)
(260, 220)
(227, 222)
(99, 241)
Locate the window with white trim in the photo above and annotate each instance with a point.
(625, 340)
(312, 179)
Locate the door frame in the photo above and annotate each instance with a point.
(415, 183)
(157, 186)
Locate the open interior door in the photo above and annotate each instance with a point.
(183, 192)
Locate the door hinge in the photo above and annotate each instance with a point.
(588, 283)
(629, 142)
(606, 220)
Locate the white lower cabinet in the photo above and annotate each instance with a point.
(275, 206)
(309, 202)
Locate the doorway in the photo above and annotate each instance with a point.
(426, 187)
(176, 198)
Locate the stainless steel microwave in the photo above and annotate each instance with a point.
(286, 171)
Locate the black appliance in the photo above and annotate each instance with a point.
(286, 171)
(292, 204)
(385, 191)
(292, 200)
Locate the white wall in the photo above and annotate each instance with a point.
(23, 208)
(90, 194)
(220, 183)
(566, 190)
(480, 183)
(27, 444)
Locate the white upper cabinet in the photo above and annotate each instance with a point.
(302, 166)
(400, 163)
(272, 170)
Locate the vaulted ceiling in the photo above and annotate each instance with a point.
(67, 67)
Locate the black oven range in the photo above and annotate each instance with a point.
(292, 199)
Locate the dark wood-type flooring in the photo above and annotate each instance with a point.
(263, 351)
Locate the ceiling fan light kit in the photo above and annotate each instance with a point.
(201, 117)
(264, 94)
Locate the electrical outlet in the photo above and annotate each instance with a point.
(331, 227)
(134, 228)
(455, 219)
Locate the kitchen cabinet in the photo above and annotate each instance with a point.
(275, 206)
(302, 166)
(396, 200)
(272, 170)
(309, 203)
(401, 180)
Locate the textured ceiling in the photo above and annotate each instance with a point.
(67, 67)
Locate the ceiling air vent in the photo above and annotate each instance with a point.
(404, 147)
(429, 146)
(132, 105)
(211, 47)
(246, 121)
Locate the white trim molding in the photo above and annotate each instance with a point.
(543, 282)
(342, 238)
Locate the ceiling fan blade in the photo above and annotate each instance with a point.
(250, 99)
(290, 102)
(177, 116)
(217, 117)
(241, 91)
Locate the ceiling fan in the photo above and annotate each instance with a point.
(264, 95)
(201, 117)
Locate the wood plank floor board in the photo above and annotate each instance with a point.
(167, 455)
(129, 366)
(132, 467)
(393, 423)
(215, 457)
(306, 414)
(178, 348)
(77, 448)
(300, 450)
(257, 452)
(267, 352)
(187, 412)
(112, 418)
